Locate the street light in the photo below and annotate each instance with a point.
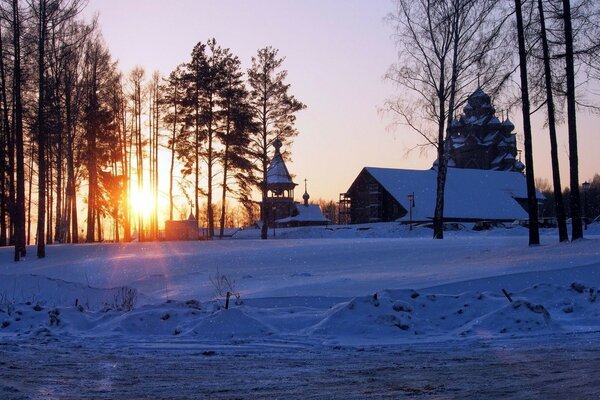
(274, 217)
(586, 187)
(411, 204)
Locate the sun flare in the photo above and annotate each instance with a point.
(141, 202)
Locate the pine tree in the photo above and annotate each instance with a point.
(274, 110)
(235, 119)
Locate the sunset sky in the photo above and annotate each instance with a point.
(337, 52)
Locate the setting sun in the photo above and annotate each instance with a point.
(141, 202)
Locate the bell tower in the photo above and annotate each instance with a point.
(280, 188)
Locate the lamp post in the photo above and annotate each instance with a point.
(411, 204)
(274, 217)
(586, 187)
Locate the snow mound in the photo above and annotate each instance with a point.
(170, 318)
(368, 317)
(230, 324)
(520, 317)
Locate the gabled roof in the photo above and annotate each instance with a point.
(309, 213)
(469, 193)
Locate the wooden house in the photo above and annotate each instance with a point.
(387, 194)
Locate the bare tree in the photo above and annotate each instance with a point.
(445, 48)
(558, 199)
(136, 77)
(19, 216)
(575, 200)
(532, 206)
(154, 105)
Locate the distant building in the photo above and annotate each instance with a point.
(484, 181)
(186, 229)
(478, 140)
(304, 214)
(280, 208)
(384, 194)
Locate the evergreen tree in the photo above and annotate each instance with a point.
(236, 125)
(274, 110)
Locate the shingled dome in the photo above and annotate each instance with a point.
(478, 140)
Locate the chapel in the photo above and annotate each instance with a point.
(280, 208)
(479, 140)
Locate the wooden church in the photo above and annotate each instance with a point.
(484, 180)
(280, 208)
(479, 140)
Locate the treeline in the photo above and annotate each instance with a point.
(590, 207)
(76, 132)
(449, 47)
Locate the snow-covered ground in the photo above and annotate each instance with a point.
(363, 291)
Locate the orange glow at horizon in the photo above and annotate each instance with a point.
(141, 203)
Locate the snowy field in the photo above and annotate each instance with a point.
(340, 312)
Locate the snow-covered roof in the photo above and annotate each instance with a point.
(494, 121)
(277, 173)
(308, 213)
(278, 176)
(469, 193)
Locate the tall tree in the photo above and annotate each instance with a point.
(6, 156)
(532, 206)
(154, 105)
(558, 199)
(445, 48)
(173, 95)
(274, 110)
(19, 216)
(136, 77)
(42, 19)
(208, 61)
(48, 15)
(575, 200)
(99, 124)
(121, 112)
(191, 139)
(234, 132)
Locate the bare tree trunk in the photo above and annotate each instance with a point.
(50, 194)
(265, 162)
(92, 162)
(532, 206)
(59, 189)
(442, 161)
(125, 157)
(197, 155)
(224, 194)
(98, 226)
(151, 154)
(70, 235)
(139, 157)
(19, 217)
(30, 191)
(41, 228)
(438, 217)
(563, 235)
(209, 161)
(5, 140)
(156, 140)
(575, 200)
(173, 138)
